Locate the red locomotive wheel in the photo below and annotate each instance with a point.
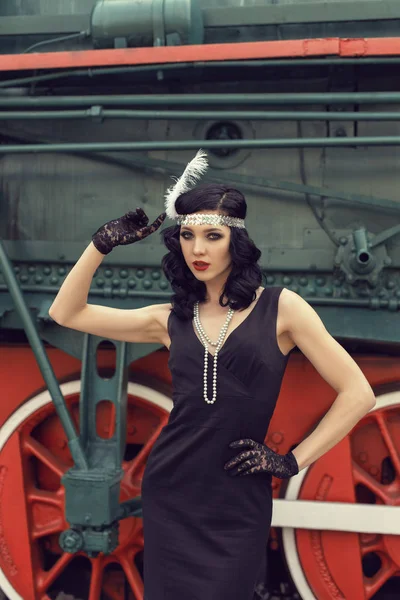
(357, 556)
(34, 456)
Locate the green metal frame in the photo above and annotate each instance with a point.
(93, 484)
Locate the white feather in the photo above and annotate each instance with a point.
(194, 170)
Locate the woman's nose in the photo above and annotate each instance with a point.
(198, 247)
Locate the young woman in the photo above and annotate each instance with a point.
(206, 491)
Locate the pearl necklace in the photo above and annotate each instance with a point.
(218, 345)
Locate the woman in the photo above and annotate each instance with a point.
(206, 491)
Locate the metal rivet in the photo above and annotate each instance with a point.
(277, 437)
(100, 282)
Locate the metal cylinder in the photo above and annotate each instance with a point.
(138, 23)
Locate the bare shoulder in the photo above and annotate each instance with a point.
(293, 311)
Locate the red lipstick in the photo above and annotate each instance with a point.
(199, 265)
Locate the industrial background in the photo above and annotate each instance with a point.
(101, 103)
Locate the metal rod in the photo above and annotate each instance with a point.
(99, 113)
(195, 144)
(273, 63)
(42, 359)
(205, 99)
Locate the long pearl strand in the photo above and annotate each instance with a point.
(218, 345)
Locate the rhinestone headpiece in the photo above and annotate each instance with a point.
(210, 219)
(194, 169)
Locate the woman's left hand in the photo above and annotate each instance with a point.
(261, 459)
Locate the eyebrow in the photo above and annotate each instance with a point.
(205, 231)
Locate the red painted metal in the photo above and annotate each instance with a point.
(33, 506)
(307, 48)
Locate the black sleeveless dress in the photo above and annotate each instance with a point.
(205, 532)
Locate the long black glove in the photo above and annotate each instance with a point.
(261, 459)
(130, 228)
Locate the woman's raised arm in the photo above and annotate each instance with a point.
(70, 307)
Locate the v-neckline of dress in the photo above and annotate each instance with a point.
(231, 333)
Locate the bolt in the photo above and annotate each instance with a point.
(277, 437)
(88, 518)
(374, 470)
(363, 457)
(343, 241)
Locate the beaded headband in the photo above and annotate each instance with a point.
(195, 168)
(210, 219)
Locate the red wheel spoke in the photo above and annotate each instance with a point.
(138, 462)
(133, 577)
(387, 437)
(374, 584)
(374, 545)
(45, 497)
(96, 579)
(45, 579)
(45, 456)
(361, 476)
(47, 516)
(54, 526)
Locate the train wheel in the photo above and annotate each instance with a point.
(34, 455)
(365, 469)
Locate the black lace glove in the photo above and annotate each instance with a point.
(261, 459)
(130, 228)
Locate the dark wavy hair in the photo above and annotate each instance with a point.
(245, 276)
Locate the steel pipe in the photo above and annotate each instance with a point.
(205, 99)
(195, 144)
(96, 112)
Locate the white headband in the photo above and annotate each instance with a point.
(194, 170)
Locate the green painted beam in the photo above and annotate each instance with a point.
(302, 12)
(43, 24)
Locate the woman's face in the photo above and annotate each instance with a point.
(206, 244)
